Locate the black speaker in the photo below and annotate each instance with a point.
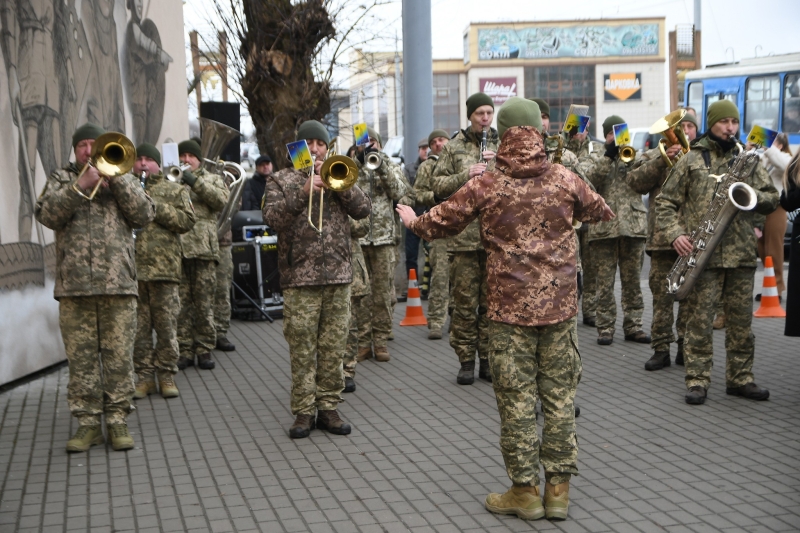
(226, 113)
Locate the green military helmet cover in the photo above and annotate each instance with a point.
(375, 135)
(543, 106)
(518, 112)
(477, 100)
(719, 110)
(87, 131)
(190, 147)
(313, 129)
(148, 150)
(610, 122)
(437, 133)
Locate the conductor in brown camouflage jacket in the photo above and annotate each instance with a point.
(158, 264)
(96, 288)
(316, 273)
(525, 208)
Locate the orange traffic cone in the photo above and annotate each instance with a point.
(414, 314)
(770, 304)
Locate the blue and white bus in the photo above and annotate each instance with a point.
(765, 89)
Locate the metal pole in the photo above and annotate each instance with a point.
(417, 75)
(698, 15)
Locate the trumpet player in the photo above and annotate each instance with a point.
(647, 177)
(158, 268)
(197, 334)
(462, 159)
(316, 273)
(682, 206)
(618, 242)
(96, 288)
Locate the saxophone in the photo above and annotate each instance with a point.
(731, 195)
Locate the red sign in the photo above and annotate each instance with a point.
(499, 89)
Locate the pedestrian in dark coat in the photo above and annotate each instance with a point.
(790, 201)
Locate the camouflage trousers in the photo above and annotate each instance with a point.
(98, 333)
(439, 293)
(357, 308)
(315, 321)
(469, 327)
(222, 296)
(589, 296)
(196, 332)
(628, 253)
(158, 307)
(737, 285)
(530, 363)
(375, 326)
(661, 331)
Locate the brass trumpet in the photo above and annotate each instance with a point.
(175, 173)
(338, 173)
(372, 161)
(670, 127)
(113, 154)
(627, 153)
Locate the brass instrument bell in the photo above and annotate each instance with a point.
(669, 126)
(113, 154)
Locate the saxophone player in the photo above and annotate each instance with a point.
(682, 205)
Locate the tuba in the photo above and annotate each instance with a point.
(670, 127)
(731, 195)
(113, 154)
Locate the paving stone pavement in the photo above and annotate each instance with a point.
(423, 453)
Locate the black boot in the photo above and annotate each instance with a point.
(483, 370)
(225, 345)
(184, 362)
(679, 357)
(466, 376)
(349, 384)
(205, 362)
(659, 360)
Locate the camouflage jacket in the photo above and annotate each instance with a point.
(525, 209)
(209, 196)
(646, 177)
(688, 191)
(422, 183)
(227, 239)
(608, 177)
(568, 159)
(452, 171)
(94, 239)
(158, 246)
(583, 149)
(383, 186)
(305, 257)
(360, 285)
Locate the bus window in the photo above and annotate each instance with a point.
(696, 96)
(791, 104)
(762, 102)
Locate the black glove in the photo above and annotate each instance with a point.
(189, 178)
(612, 151)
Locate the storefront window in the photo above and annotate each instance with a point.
(561, 86)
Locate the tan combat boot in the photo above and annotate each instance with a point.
(521, 501)
(145, 386)
(166, 382)
(120, 437)
(85, 438)
(382, 354)
(556, 500)
(364, 353)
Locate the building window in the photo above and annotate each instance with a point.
(446, 110)
(791, 104)
(761, 102)
(561, 86)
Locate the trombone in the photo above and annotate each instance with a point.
(670, 127)
(113, 155)
(338, 173)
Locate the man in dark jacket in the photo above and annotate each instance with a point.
(315, 275)
(253, 191)
(412, 241)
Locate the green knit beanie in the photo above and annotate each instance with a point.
(313, 129)
(375, 135)
(148, 150)
(437, 133)
(719, 110)
(688, 117)
(544, 106)
(518, 112)
(190, 147)
(87, 131)
(610, 122)
(477, 100)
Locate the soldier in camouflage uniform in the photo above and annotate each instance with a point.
(618, 242)
(316, 272)
(439, 293)
(158, 265)
(197, 334)
(460, 161)
(359, 288)
(222, 294)
(96, 288)
(646, 177)
(383, 186)
(680, 208)
(526, 227)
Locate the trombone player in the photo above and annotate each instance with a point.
(315, 275)
(96, 284)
